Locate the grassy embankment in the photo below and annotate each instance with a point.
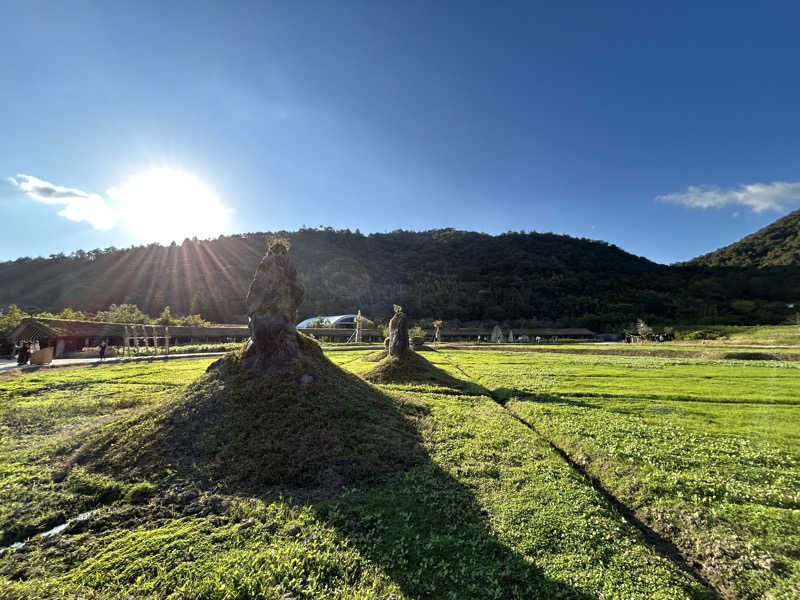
(491, 511)
(760, 335)
(706, 452)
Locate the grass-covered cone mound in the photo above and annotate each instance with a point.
(308, 428)
(410, 368)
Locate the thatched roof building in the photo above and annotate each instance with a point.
(68, 336)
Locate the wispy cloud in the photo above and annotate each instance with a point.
(758, 196)
(78, 205)
(185, 206)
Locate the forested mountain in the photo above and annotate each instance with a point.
(448, 274)
(777, 244)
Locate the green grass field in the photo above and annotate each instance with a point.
(705, 453)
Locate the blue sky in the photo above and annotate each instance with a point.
(670, 129)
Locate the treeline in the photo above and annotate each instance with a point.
(123, 313)
(459, 276)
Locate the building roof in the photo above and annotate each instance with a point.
(332, 320)
(39, 328)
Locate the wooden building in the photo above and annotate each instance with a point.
(68, 337)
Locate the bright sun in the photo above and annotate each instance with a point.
(164, 204)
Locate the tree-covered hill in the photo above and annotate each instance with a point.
(777, 244)
(448, 274)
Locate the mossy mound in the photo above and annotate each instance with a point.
(376, 356)
(308, 429)
(411, 369)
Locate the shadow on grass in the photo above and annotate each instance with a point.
(403, 512)
(505, 394)
(427, 531)
(353, 452)
(632, 395)
(662, 544)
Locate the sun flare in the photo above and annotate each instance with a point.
(165, 204)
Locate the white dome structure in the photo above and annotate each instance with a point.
(337, 321)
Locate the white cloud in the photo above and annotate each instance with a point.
(160, 205)
(758, 196)
(78, 205)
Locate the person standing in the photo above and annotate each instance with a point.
(24, 354)
(103, 347)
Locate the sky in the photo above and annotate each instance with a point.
(669, 129)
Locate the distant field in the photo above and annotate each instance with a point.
(706, 452)
(666, 349)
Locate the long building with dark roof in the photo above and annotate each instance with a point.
(67, 336)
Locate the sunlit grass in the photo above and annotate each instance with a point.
(492, 513)
(707, 452)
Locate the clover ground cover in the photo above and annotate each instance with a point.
(706, 452)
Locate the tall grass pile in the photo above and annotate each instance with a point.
(308, 429)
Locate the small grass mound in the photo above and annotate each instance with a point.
(307, 430)
(411, 369)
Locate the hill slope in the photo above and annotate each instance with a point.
(556, 279)
(777, 244)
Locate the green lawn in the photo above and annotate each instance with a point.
(706, 452)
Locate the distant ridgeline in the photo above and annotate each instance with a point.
(777, 244)
(556, 280)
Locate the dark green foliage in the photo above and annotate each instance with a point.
(166, 317)
(777, 244)
(552, 280)
(140, 492)
(274, 432)
(11, 319)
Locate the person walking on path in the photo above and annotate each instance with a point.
(103, 346)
